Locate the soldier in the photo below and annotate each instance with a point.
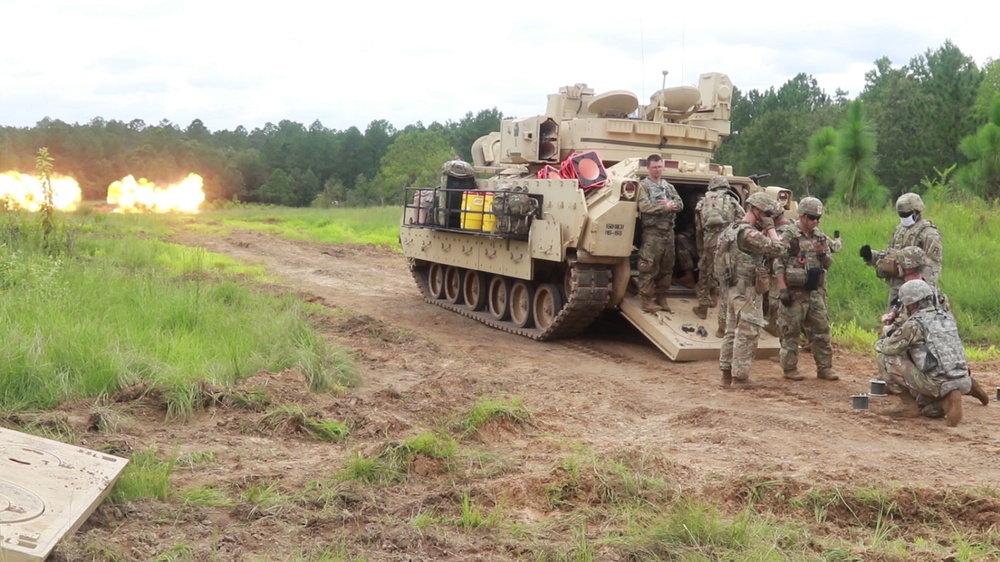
(659, 204)
(801, 277)
(742, 267)
(923, 361)
(781, 223)
(717, 210)
(913, 230)
(910, 263)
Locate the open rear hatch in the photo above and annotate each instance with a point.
(682, 335)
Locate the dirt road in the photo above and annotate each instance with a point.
(607, 390)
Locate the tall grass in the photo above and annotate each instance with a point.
(971, 235)
(125, 309)
(378, 226)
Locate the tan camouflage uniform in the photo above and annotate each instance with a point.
(656, 255)
(744, 311)
(804, 310)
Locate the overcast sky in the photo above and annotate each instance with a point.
(431, 61)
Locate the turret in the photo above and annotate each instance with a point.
(683, 123)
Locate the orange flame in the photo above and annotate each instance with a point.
(21, 191)
(140, 196)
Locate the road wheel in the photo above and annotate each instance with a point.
(546, 306)
(521, 296)
(474, 290)
(453, 284)
(435, 280)
(499, 297)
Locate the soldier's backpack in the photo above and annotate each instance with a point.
(725, 266)
(716, 210)
(514, 209)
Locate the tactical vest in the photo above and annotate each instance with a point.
(716, 211)
(942, 353)
(903, 236)
(803, 257)
(731, 263)
(657, 190)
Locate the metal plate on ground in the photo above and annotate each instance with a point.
(47, 490)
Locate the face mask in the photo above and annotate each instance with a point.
(907, 221)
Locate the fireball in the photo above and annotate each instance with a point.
(140, 196)
(21, 191)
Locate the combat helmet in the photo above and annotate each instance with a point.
(718, 182)
(457, 169)
(810, 206)
(908, 203)
(914, 291)
(910, 257)
(762, 202)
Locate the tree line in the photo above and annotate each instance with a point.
(910, 127)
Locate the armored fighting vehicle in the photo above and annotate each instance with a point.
(539, 235)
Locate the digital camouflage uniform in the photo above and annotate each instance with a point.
(748, 250)
(924, 356)
(656, 255)
(803, 307)
(922, 233)
(717, 210)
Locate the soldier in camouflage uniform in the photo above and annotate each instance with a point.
(910, 263)
(781, 223)
(742, 267)
(717, 210)
(923, 361)
(801, 278)
(659, 204)
(913, 230)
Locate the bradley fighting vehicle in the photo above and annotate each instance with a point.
(540, 236)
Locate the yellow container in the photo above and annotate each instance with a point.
(489, 219)
(472, 213)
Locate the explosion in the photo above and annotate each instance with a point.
(21, 191)
(133, 196)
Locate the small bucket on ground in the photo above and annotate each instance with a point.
(859, 402)
(878, 388)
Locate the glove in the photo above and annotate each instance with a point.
(866, 253)
(785, 296)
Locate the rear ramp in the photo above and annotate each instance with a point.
(676, 333)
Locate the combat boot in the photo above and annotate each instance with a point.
(701, 311)
(794, 375)
(720, 332)
(978, 393)
(727, 377)
(827, 374)
(952, 408)
(661, 300)
(649, 305)
(909, 408)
